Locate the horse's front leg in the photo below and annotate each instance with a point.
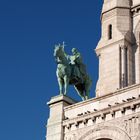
(66, 84)
(60, 83)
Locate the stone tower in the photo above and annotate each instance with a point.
(115, 48)
(114, 114)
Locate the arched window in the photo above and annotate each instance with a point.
(110, 31)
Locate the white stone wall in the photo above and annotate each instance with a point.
(136, 31)
(104, 102)
(110, 4)
(111, 73)
(136, 2)
(126, 128)
(108, 70)
(115, 116)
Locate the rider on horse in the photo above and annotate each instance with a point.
(79, 69)
(71, 71)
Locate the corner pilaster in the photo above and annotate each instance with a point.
(54, 125)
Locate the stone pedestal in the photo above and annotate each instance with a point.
(54, 125)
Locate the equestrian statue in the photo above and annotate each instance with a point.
(71, 71)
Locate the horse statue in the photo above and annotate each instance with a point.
(70, 74)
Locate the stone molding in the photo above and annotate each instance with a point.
(119, 11)
(101, 47)
(117, 92)
(117, 7)
(131, 105)
(105, 132)
(135, 10)
(61, 98)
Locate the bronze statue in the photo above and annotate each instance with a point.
(71, 71)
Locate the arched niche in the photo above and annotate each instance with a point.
(105, 133)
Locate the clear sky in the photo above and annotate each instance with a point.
(29, 29)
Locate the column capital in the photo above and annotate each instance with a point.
(123, 46)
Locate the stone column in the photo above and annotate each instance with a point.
(54, 125)
(137, 65)
(124, 66)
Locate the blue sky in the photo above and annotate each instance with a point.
(29, 30)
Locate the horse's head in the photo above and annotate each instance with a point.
(58, 51)
(60, 55)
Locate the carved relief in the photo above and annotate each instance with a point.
(130, 125)
(138, 137)
(120, 128)
(109, 132)
(70, 137)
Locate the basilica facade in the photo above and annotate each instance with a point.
(114, 114)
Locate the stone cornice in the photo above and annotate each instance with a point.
(132, 104)
(122, 41)
(98, 48)
(135, 6)
(135, 10)
(119, 7)
(61, 98)
(117, 92)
